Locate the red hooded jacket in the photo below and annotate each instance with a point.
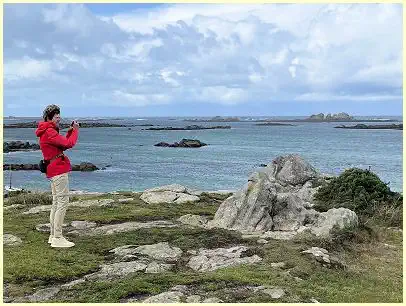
(52, 144)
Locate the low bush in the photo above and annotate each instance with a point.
(363, 192)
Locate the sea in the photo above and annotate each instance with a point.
(133, 163)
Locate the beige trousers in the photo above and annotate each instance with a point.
(60, 201)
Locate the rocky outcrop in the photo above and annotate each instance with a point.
(193, 220)
(16, 167)
(87, 228)
(184, 143)
(175, 193)
(117, 270)
(189, 128)
(14, 146)
(277, 202)
(13, 206)
(329, 117)
(154, 258)
(165, 297)
(159, 251)
(126, 227)
(84, 167)
(275, 293)
(335, 218)
(210, 260)
(322, 256)
(317, 117)
(11, 240)
(43, 295)
(74, 225)
(372, 127)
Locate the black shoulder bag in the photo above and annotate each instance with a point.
(43, 164)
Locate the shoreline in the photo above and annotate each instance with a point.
(86, 192)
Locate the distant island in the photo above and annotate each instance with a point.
(329, 117)
(34, 124)
(339, 117)
(188, 128)
(372, 127)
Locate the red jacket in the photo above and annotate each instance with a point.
(52, 144)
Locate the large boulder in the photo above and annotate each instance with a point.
(334, 219)
(277, 200)
(291, 170)
(159, 197)
(174, 193)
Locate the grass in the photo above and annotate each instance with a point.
(374, 272)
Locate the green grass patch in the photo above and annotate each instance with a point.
(373, 255)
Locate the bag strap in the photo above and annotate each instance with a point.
(53, 158)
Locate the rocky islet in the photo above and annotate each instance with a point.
(83, 167)
(184, 143)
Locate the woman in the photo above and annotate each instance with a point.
(52, 146)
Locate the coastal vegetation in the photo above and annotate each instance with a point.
(363, 192)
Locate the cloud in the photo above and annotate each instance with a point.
(203, 53)
(357, 98)
(129, 99)
(26, 68)
(222, 94)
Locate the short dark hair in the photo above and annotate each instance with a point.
(50, 111)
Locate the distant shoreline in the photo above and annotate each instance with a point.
(295, 120)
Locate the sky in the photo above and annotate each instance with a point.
(202, 59)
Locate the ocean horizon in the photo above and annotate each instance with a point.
(135, 164)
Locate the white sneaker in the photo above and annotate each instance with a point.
(50, 238)
(61, 242)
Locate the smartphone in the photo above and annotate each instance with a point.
(74, 122)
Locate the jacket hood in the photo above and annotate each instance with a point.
(43, 126)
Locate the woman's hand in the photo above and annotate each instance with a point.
(75, 125)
